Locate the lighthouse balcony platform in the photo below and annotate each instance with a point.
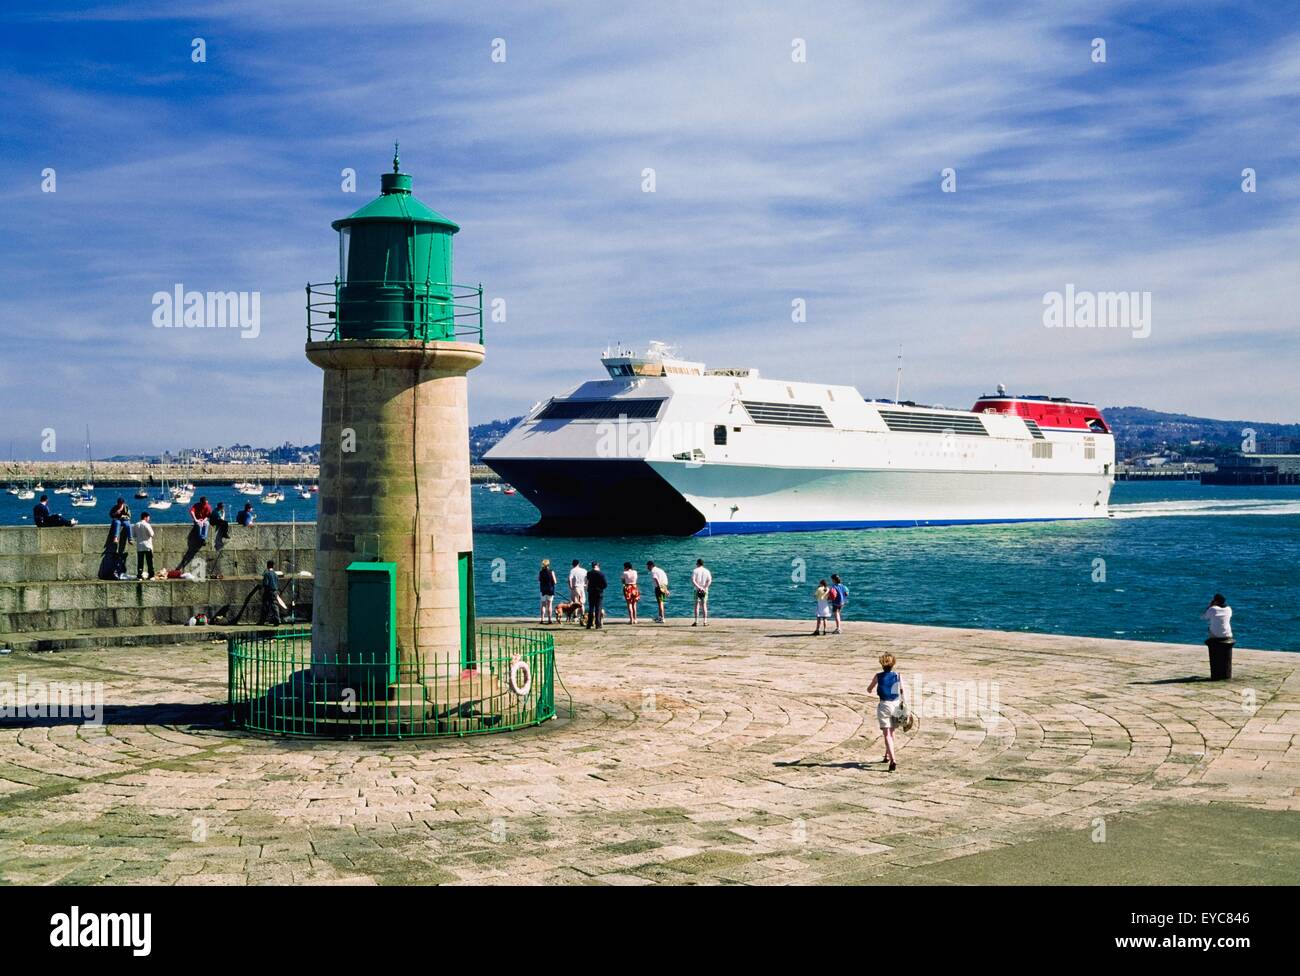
(427, 310)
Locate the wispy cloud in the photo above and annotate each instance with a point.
(775, 180)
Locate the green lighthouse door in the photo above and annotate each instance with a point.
(372, 638)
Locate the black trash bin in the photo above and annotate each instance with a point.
(1220, 657)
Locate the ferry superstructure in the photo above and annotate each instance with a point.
(664, 445)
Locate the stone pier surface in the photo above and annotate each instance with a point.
(746, 752)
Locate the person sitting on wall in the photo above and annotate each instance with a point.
(45, 519)
(246, 517)
(200, 513)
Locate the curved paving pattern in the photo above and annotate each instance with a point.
(737, 754)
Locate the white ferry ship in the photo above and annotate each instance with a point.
(666, 446)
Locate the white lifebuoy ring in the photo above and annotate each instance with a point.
(520, 678)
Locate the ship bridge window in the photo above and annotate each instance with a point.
(640, 408)
(905, 421)
(787, 414)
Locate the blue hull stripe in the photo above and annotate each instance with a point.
(752, 528)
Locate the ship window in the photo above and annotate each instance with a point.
(905, 421)
(787, 414)
(719, 433)
(1034, 429)
(1042, 449)
(640, 408)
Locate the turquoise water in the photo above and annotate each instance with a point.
(14, 512)
(1169, 547)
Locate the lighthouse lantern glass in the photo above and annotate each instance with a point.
(345, 241)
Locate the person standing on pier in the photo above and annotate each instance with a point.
(596, 586)
(578, 586)
(661, 587)
(889, 686)
(823, 597)
(270, 596)
(701, 580)
(546, 580)
(144, 533)
(839, 597)
(631, 592)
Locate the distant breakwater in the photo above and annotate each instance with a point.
(55, 473)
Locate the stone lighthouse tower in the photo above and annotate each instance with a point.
(395, 339)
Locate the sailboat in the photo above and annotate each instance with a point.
(25, 494)
(89, 483)
(83, 499)
(275, 495)
(162, 500)
(142, 491)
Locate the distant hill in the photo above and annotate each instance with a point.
(483, 436)
(1138, 431)
(1141, 431)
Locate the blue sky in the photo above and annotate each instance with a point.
(775, 180)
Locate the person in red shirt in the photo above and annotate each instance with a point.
(200, 512)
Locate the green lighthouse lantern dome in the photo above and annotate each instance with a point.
(395, 268)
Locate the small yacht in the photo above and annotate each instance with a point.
(25, 494)
(65, 489)
(83, 499)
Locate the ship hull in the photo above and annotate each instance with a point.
(636, 497)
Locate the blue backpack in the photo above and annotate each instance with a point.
(839, 595)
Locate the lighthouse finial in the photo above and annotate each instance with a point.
(397, 162)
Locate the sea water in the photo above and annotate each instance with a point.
(1145, 573)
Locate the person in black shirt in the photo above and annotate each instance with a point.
(596, 584)
(270, 596)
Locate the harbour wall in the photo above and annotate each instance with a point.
(49, 577)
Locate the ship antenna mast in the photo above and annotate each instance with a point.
(898, 376)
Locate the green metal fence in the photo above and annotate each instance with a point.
(278, 686)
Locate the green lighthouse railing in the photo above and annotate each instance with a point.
(426, 310)
(277, 686)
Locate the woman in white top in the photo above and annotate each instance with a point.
(1219, 616)
(631, 593)
(823, 597)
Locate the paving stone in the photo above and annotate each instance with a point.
(759, 764)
